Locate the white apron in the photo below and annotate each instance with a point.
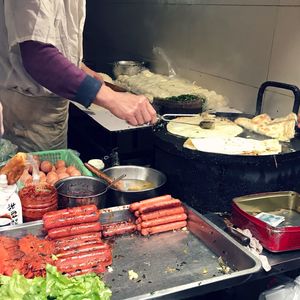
(35, 123)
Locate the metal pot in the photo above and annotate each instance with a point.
(127, 67)
(155, 177)
(81, 190)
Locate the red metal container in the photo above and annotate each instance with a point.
(284, 237)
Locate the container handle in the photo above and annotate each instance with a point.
(280, 85)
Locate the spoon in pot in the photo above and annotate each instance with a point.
(117, 185)
(113, 183)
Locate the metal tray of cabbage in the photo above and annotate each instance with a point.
(171, 265)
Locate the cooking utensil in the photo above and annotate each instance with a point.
(81, 190)
(135, 175)
(117, 185)
(235, 233)
(115, 87)
(117, 180)
(205, 123)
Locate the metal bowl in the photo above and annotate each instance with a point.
(81, 190)
(157, 178)
(127, 67)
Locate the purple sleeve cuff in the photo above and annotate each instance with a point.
(47, 66)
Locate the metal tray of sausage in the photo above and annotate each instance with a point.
(170, 265)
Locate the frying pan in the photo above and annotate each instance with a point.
(287, 147)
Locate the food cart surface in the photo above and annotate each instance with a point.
(170, 265)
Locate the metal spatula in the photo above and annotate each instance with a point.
(205, 123)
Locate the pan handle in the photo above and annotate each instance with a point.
(280, 85)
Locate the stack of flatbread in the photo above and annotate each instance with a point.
(282, 129)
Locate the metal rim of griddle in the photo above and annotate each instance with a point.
(174, 144)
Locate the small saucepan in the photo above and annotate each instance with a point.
(140, 183)
(81, 190)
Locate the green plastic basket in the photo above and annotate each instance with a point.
(68, 155)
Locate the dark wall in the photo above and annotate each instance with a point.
(96, 50)
(100, 49)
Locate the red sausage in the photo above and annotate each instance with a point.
(162, 213)
(164, 220)
(76, 244)
(96, 269)
(78, 237)
(71, 211)
(84, 260)
(159, 205)
(163, 228)
(73, 230)
(84, 257)
(84, 248)
(50, 223)
(136, 205)
(118, 228)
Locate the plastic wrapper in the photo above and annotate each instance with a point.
(288, 291)
(7, 150)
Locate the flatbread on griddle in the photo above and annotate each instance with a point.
(222, 127)
(282, 129)
(234, 146)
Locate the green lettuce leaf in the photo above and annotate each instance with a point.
(14, 287)
(84, 287)
(54, 286)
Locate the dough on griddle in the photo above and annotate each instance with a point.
(222, 128)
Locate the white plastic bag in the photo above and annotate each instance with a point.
(288, 291)
(10, 203)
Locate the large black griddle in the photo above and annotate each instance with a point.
(287, 147)
(209, 181)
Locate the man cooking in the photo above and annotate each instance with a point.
(40, 55)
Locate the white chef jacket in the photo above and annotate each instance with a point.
(34, 118)
(57, 22)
